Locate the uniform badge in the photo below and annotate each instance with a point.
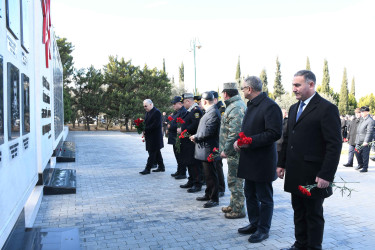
(222, 113)
(196, 115)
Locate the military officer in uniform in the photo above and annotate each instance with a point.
(180, 111)
(231, 122)
(220, 106)
(191, 119)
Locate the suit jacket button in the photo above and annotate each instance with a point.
(293, 132)
(291, 147)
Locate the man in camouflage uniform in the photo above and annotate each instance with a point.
(231, 122)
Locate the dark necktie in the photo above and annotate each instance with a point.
(300, 110)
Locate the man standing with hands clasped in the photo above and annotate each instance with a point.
(310, 154)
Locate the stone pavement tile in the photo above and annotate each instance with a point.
(117, 208)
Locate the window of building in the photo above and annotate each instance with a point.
(13, 17)
(1, 102)
(25, 27)
(13, 102)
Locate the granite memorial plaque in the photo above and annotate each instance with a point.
(13, 102)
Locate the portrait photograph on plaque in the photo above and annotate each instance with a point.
(1, 102)
(13, 102)
(26, 104)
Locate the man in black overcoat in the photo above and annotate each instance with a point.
(206, 139)
(153, 137)
(180, 111)
(310, 155)
(263, 123)
(191, 119)
(352, 133)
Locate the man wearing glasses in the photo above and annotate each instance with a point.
(153, 137)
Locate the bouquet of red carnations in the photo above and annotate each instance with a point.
(179, 121)
(306, 189)
(243, 140)
(215, 154)
(140, 125)
(184, 134)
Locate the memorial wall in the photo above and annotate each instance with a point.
(31, 103)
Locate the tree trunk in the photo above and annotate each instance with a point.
(74, 123)
(88, 124)
(127, 124)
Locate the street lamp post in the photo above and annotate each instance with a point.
(194, 43)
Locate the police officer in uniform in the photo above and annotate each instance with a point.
(220, 106)
(191, 119)
(180, 111)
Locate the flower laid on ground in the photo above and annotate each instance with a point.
(243, 140)
(139, 124)
(359, 147)
(306, 189)
(215, 153)
(184, 134)
(179, 121)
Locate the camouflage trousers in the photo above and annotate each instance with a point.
(235, 185)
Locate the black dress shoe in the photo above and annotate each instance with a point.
(348, 165)
(211, 204)
(175, 174)
(202, 198)
(187, 185)
(180, 177)
(154, 166)
(145, 171)
(359, 167)
(194, 189)
(258, 237)
(372, 158)
(249, 229)
(364, 170)
(221, 194)
(159, 170)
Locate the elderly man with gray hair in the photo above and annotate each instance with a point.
(263, 123)
(153, 137)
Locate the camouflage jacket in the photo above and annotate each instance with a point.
(231, 123)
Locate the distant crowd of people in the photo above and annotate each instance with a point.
(358, 132)
(260, 142)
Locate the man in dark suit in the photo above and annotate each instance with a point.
(363, 137)
(310, 155)
(352, 133)
(206, 139)
(153, 137)
(172, 135)
(219, 163)
(257, 165)
(191, 119)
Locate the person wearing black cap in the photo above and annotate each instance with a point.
(191, 119)
(363, 137)
(206, 139)
(180, 111)
(153, 137)
(220, 106)
(197, 100)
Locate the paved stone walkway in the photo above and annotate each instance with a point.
(117, 208)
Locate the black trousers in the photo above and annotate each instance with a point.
(220, 175)
(154, 157)
(212, 180)
(363, 156)
(195, 173)
(308, 222)
(181, 169)
(259, 204)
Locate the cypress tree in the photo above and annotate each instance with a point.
(326, 78)
(263, 77)
(343, 101)
(182, 74)
(163, 65)
(238, 72)
(308, 64)
(278, 89)
(352, 88)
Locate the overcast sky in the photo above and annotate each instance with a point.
(146, 31)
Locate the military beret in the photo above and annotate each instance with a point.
(208, 96)
(365, 108)
(230, 85)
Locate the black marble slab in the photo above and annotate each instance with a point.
(66, 152)
(59, 181)
(41, 238)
